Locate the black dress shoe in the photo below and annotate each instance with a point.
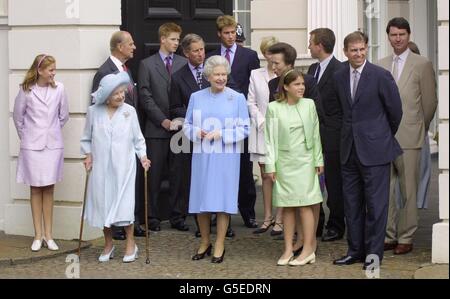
(218, 260)
(347, 260)
(331, 235)
(119, 234)
(250, 223)
(198, 234)
(200, 256)
(230, 233)
(138, 231)
(155, 228)
(181, 226)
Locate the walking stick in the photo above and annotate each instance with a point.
(147, 261)
(82, 213)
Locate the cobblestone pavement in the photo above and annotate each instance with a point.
(248, 256)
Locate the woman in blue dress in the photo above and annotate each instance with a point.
(217, 122)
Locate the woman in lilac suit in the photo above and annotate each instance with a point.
(40, 112)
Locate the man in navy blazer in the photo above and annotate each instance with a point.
(242, 61)
(372, 111)
(321, 46)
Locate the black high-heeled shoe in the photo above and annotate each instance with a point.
(218, 260)
(200, 256)
(265, 226)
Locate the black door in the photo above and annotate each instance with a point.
(142, 19)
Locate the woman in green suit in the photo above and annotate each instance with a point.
(293, 162)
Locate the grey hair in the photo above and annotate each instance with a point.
(189, 39)
(213, 62)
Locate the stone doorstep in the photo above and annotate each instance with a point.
(19, 255)
(432, 271)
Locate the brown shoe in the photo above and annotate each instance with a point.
(390, 246)
(403, 248)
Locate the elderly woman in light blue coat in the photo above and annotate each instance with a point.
(111, 139)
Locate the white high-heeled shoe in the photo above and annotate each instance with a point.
(51, 245)
(106, 257)
(311, 259)
(284, 262)
(37, 245)
(132, 257)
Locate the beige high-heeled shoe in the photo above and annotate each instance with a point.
(311, 259)
(284, 262)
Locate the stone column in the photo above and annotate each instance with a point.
(440, 230)
(77, 35)
(341, 16)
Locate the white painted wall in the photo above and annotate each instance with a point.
(78, 37)
(4, 111)
(440, 252)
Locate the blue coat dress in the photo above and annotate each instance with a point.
(216, 164)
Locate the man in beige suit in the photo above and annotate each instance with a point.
(416, 81)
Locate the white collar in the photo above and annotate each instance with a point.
(117, 63)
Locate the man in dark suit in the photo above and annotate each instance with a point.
(154, 83)
(242, 61)
(372, 111)
(321, 46)
(185, 81)
(283, 58)
(122, 49)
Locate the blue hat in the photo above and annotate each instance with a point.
(108, 85)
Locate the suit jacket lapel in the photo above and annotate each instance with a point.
(161, 67)
(189, 78)
(112, 67)
(38, 96)
(346, 78)
(327, 74)
(237, 57)
(406, 72)
(363, 81)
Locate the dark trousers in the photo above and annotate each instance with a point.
(247, 190)
(158, 151)
(180, 185)
(335, 200)
(366, 202)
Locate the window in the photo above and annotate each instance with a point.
(241, 11)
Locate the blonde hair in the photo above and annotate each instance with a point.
(267, 42)
(287, 78)
(167, 28)
(225, 21)
(41, 61)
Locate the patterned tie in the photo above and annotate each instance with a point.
(395, 68)
(355, 84)
(169, 64)
(317, 74)
(227, 55)
(199, 77)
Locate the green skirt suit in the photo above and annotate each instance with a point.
(293, 153)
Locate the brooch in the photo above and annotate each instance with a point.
(126, 114)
